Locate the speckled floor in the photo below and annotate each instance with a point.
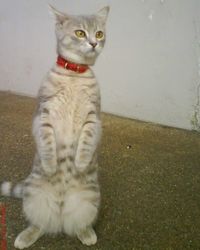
(150, 179)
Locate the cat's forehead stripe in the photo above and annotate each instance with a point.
(89, 23)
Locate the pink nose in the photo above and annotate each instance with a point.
(93, 44)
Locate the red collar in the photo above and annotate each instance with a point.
(79, 68)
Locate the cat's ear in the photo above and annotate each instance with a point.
(59, 16)
(103, 13)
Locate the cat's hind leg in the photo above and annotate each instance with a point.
(27, 237)
(80, 212)
(87, 236)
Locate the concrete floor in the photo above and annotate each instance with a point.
(150, 180)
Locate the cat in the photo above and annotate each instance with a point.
(62, 192)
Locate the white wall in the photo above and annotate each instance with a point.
(149, 70)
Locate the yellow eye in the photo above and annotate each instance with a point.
(80, 33)
(99, 35)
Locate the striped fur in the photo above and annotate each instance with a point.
(62, 193)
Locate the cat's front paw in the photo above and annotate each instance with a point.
(49, 172)
(81, 163)
(49, 168)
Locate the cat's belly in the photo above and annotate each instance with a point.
(60, 199)
(67, 126)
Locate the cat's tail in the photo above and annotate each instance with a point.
(8, 189)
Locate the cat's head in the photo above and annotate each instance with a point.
(80, 39)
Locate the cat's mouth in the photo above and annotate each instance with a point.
(93, 49)
(92, 52)
(96, 50)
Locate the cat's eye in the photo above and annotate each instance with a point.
(99, 35)
(80, 33)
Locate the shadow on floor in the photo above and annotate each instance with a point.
(149, 175)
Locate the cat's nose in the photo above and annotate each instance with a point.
(93, 44)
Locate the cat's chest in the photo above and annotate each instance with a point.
(75, 99)
(72, 103)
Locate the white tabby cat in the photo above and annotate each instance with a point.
(62, 192)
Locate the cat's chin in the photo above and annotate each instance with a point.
(89, 60)
(92, 53)
(91, 56)
(87, 57)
